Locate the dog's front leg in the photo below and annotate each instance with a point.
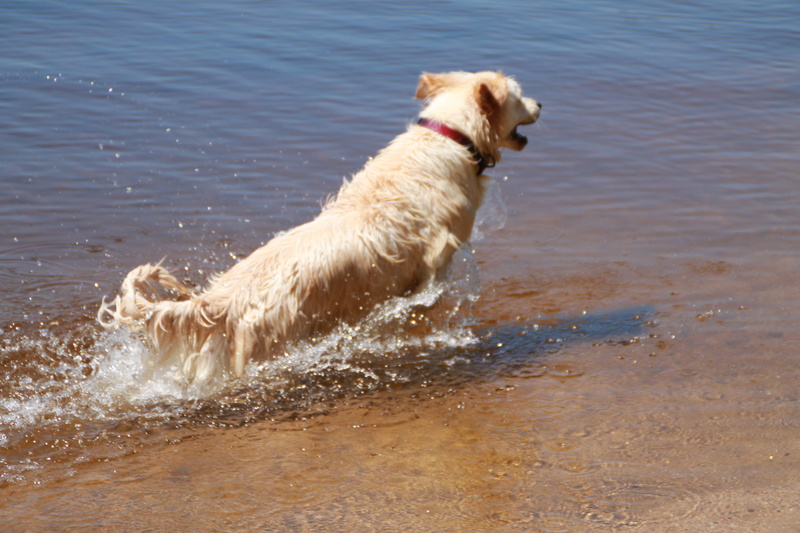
(435, 261)
(439, 254)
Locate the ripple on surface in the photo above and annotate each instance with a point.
(627, 494)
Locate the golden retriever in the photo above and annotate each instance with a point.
(390, 231)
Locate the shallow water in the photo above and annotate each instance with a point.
(627, 359)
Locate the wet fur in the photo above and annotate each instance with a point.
(390, 231)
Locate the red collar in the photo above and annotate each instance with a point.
(482, 160)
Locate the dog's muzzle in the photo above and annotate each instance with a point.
(533, 108)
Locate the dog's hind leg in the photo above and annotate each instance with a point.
(208, 362)
(243, 345)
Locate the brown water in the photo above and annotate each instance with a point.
(628, 360)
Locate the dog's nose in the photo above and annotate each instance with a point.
(539, 104)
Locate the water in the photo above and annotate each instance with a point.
(627, 361)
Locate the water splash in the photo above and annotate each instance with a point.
(71, 398)
(70, 393)
(492, 214)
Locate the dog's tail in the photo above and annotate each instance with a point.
(138, 296)
(188, 330)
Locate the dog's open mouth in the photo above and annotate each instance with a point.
(518, 138)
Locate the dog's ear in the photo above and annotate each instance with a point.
(430, 84)
(490, 96)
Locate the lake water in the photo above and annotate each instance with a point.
(627, 361)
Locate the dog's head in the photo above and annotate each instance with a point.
(488, 106)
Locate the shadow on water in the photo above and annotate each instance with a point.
(495, 353)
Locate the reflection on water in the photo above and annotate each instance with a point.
(628, 360)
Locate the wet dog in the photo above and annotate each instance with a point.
(390, 231)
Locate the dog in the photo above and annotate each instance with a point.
(390, 231)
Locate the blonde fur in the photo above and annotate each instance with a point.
(390, 231)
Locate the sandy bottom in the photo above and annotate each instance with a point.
(639, 407)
